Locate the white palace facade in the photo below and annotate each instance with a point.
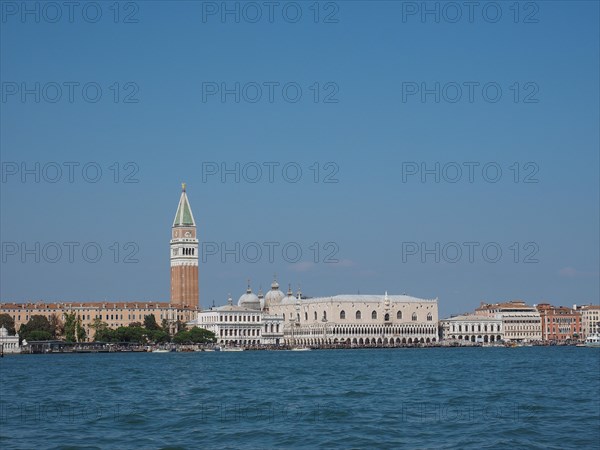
(348, 320)
(358, 320)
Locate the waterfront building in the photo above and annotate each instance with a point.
(294, 320)
(590, 320)
(358, 320)
(520, 322)
(244, 324)
(9, 344)
(559, 323)
(114, 314)
(472, 328)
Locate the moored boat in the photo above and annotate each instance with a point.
(229, 349)
(593, 341)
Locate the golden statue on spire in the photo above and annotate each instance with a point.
(183, 187)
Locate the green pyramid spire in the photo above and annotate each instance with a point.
(184, 216)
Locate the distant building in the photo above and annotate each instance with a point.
(520, 322)
(474, 328)
(359, 320)
(559, 323)
(114, 314)
(244, 324)
(9, 344)
(590, 320)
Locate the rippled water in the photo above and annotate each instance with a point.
(378, 398)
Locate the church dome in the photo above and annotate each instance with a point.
(274, 296)
(289, 299)
(249, 300)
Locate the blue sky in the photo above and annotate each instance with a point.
(369, 57)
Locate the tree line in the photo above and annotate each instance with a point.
(41, 328)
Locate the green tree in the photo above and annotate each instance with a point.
(201, 336)
(182, 337)
(36, 323)
(131, 334)
(70, 327)
(7, 322)
(105, 334)
(39, 335)
(80, 331)
(150, 322)
(57, 324)
(194, 336)
(158, 336)
(101, 331)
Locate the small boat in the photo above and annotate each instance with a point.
(593, 341)
(300, 349)
(229, 349)
(161, 350)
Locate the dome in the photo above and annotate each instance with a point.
(249, 300)
(274, 296)
(289, 299)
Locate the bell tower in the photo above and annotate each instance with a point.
(184, 256)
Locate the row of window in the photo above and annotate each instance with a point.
(522, 321)
(358, 316)
(234, 318)
(485, 327)
(564, 320)
(108, 317)
(242, 332)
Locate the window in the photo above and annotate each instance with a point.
(386, 317)
(358, 315)
(324, 315)
(315, 315)
(374, 315)
(414, 317)
(306, 316)
(399, 315)
(342, 314)
(429, 318)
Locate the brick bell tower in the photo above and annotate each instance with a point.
(184, 256)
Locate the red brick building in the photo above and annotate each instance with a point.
(559, 323)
